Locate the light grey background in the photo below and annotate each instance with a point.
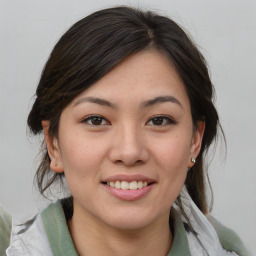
(225, 31)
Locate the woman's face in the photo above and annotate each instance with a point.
(125, 144)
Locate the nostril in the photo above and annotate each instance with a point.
(119, 162)
(129, 162)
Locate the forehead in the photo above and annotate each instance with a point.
(141, 76)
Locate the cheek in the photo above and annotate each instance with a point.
(173, 153)
(81, 167)
(81, 156)
(172, 160)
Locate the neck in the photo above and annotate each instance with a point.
(93, 238)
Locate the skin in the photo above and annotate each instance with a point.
(126, 141)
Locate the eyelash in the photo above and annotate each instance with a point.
(90, 118)
(168, 120)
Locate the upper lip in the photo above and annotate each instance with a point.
(129, 178)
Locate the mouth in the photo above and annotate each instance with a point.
(126, 185)
(128, 188)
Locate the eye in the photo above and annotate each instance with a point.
(95, 120)
(161, 121)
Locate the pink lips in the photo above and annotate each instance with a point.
(129, 178)
(129, 195)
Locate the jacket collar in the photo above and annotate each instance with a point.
(57, 231)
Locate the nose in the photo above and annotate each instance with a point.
(128, 147)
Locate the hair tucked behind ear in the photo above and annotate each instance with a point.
(95, 45)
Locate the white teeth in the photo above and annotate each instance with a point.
(140, 184)
(118, 184)
(125, 185)
(133, 185)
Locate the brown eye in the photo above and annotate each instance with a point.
(161, 121)
(95, 120)
(158, 120)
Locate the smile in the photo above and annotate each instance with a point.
(125, 185)
(129, 187)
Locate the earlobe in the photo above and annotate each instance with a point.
(53, 149)
(196, 143)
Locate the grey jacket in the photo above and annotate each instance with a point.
(47, 235)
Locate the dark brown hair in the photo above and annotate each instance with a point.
(96, 44)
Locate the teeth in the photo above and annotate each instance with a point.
(140, 184)
(133, 185)
(118, 184)
(125, 185)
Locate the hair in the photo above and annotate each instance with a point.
(92, 47)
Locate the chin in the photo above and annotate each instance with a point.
(131, 220)
(130, 224)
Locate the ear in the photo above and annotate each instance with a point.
(196, 142)
(53, 149)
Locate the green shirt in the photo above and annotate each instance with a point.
(55, 224)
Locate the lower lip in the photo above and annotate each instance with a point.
(129, 195)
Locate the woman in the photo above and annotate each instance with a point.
(125, 104)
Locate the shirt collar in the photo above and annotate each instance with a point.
(61, 242)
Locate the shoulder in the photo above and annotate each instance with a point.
(229, 239)
(29, 238)
(5, 230)
(55, 223)
(46, 234)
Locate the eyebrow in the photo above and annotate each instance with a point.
(95, 100)
(160, 99)
(147, 103)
